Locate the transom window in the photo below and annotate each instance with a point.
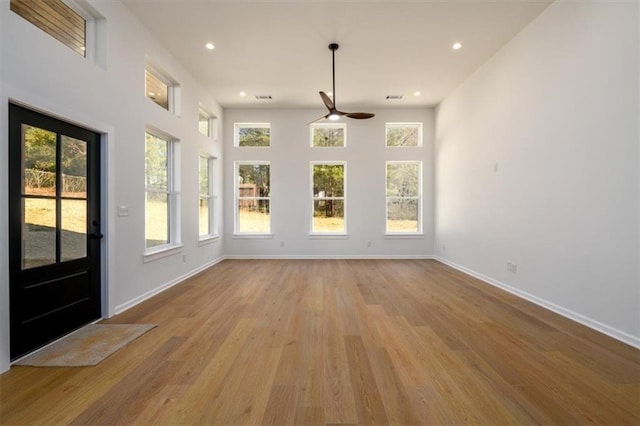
(56, 19)
(328, 198)
(161, 205)
(204, 122)
(403, 134)
(252, 134)
(404, 197)
(156, 89)
(253, 198)
(328, 134)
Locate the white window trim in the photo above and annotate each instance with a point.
(403, 124)
(314, 126)
(173, 195)
(409, 234)
(210, 120)
(236, 199)
(211, 198)
(335, 235)
(236, 134)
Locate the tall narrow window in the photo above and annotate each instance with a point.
(252, 134)
(328, 134)
(161, 192)
(329, 196)
(404, 197)
(206, 199)
(403, 134)
(56, 19)
(253, 198)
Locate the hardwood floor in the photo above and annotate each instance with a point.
(339, 342)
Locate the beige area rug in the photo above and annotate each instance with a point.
(86, 346)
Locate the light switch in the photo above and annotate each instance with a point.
(123, 211)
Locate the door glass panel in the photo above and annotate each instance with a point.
(73, 236)
(39, 235)
(39, 161)
(73, 163)
(157, 218)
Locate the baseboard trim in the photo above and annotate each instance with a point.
(326, 256)
(574, 316)
(136, 301)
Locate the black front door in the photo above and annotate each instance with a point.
(54, 228)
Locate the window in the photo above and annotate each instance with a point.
(161, 206)
(204, 123)
(328, 189)
(403, 134)
(404, 197)
(56, 19)
(328, 134)
(206, 199)
(253, 198)
(156, 89)
(252, 134)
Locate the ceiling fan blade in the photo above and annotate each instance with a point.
(327, 101)
(319, 119)
(359, 115)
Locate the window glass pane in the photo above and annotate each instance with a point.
(402, 215)
(328, 216)
(257, 135)
(73, 163)
(204, 216)
(73, 237)
(157, 162)
(327, 135)
(204, 176)
(403, 134)
(157, 219)
(56, 19)
(39, 161)
(328, 180)
(203, 123)
(402, 179)
(39, 245)
(156, 90)
(254, 180)
(254, 216)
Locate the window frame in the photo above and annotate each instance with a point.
(320, 234)
(202, 112)
(238, 126)
(173, 88)
(236, 200)
(173, 198)
(399, 124)
(210, 197)
(419, 198)
(314, 126)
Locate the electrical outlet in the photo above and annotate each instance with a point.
(184, 258)
(368, 243)
(281, 243)
(512, 267)
(444, 248)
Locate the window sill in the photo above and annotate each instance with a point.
(159, 253)
(316, 236)
(402, 236)
(208, 239)
(251, 236)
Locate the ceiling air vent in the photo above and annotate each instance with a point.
(395, 97)
(263, 97)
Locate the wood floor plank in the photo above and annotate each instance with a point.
(338, 342)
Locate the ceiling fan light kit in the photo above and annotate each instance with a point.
(335, 114)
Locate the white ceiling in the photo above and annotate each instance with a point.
(279, 48)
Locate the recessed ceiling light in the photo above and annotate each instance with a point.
(243, 93)
(457, 46)
(416, 93)
(151, 94)
(209, 46)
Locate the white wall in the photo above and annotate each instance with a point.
(290, 155)
(42, 73)
(557, 111)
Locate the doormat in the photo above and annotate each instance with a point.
(87, 346)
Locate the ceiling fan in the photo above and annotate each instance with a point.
(334, 113)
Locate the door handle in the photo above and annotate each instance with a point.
(96, 236)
